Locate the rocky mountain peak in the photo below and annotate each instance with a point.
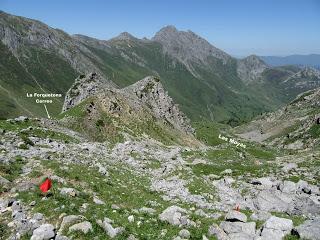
(187, 47)
(124, 36)
(167, 30)
(250, 68)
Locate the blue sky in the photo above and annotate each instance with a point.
(240, 27)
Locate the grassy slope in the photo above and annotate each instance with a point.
(102, 125)
(52, 73)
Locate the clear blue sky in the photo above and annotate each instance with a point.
(240, 27)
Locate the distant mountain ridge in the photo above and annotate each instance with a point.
(310, 60)
(206, 82)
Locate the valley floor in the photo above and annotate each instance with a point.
(142, 189)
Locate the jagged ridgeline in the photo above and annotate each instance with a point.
(102, 112)
(206, 82)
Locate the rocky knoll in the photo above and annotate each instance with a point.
(145, 98)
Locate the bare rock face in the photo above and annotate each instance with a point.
(83, 87)
(187, 46)
(250, 68)
(151, 93)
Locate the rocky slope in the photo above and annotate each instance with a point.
(296, 126)
(123, 190)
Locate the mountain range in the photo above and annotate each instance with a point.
(311, 60)
(206, 82)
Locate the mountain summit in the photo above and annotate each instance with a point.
(251, 68)
(188, 46)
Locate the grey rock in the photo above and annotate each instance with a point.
(44, 232)
(69, 192)
(84, 227)
(305, 205)
(184, 233)
(303, 186)
(239, 230)
(58, 179)
(200, 213)
(260, 216)
(61, 237)
(276, 228)
(109, 229)
(289, 166)
(266, 182)
(177, 238)
(38, 216)
(21, 119)
(288, 187)
(147, 210)
(103, 171)
(25, 186)
(98, 201)
(236, 216)
(273, 200)
(69, 220)
(204, 237)
(115, 207)
(175, 216)
(131, 219)
(4, 203)
(310, 229)
(3, 181)
(132, 237)
(216, 231)
(226, 172)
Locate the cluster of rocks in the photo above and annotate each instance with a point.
(236, 227)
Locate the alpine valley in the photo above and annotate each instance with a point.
(161, 138)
